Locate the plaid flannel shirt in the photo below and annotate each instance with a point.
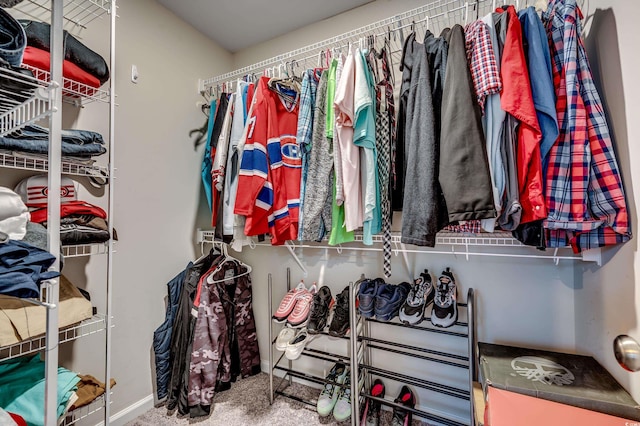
(584, 192)
(482, 61)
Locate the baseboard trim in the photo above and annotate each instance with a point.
(129, 413)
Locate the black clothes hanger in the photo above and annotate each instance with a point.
(200, 134)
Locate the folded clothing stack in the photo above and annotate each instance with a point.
(18, 85)
(35, 139)
(22, 382)
(22, 268)
(80, 64)
(23, 320)
(14, 215)
(80, 222)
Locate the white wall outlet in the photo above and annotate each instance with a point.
(134, 74)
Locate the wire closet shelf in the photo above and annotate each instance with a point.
(95, 324)
(497, 244)
(434, 16)
(77, 13)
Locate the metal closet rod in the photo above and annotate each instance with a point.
(437, 9)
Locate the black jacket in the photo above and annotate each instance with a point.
(464, 168)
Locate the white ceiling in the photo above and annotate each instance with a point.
(237, 24)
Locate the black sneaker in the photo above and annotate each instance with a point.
(320, 306)
(445, 307)
(420, 295)
(371, 415)
(403, 417)
(340, 322)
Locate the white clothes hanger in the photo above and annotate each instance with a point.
(227, 258)
(466, 13)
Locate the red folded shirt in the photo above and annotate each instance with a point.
(18, 419)
(40, 59)
(69, 208)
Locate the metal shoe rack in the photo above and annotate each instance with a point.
(366, 343)
(289, 373)
(361, 366)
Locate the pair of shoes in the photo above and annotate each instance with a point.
(340, 322)
(420, 296)
(381, 299)
(445, 306)
(320, 309)
(295, 305)
(292, 343)
(371, 414)
(336, 395)
(402, 417)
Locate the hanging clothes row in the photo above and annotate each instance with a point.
(477, 144)
(208, 338)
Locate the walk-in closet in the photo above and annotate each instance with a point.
(366, 212)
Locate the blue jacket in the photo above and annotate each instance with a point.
(162, 336)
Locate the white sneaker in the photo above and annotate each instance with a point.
(297, 344)
(284, 337)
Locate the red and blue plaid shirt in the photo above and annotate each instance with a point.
(584, 192)
(482, 61)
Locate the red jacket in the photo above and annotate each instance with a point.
(517, 100)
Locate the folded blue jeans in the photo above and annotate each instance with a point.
(76, 137)
(13, 39)
(41, 146)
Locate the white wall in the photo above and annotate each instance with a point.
(607, 300)
(158, 192)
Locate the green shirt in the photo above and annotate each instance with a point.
(331, 93)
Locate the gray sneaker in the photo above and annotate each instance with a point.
(419, 297)
(331, 392)
(445, 305)
(342, 410)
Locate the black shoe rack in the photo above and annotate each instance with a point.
(288, 373)
(365, 343)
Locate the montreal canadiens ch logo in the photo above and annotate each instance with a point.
(542, 370)
(290, 151)
(64, 192)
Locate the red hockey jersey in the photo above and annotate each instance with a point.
(269, 178)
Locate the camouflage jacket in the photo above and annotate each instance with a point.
(225, 317)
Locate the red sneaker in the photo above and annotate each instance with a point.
(300, 313)
(288, 302)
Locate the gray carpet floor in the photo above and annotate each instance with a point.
(247, 403)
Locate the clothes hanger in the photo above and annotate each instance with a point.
(399, 29)
(466, 14)
(294, 65)
(205, 255)
(227, 258)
